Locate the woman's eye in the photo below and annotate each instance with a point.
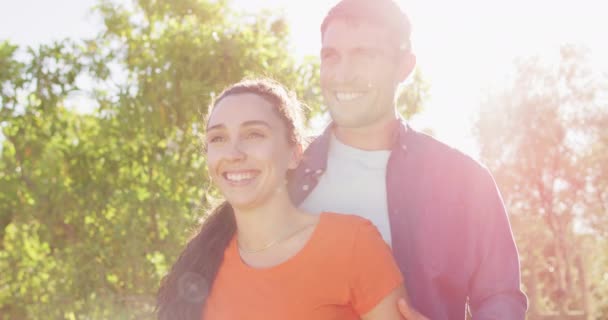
(216, 139)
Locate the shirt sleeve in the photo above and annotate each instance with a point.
(495, 286)
(373, 271)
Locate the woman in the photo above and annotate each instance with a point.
(257, 256)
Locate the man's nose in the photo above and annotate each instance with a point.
(344, 71)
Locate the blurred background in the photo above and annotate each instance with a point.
(102, 178)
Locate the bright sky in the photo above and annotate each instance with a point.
(461, 46)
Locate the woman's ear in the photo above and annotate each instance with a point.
(296, 157)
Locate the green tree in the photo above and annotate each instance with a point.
(537, 136)
(412, 97)
(96, 204)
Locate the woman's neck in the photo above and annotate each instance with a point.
(260, 226)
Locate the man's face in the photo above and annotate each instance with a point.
(360, 71)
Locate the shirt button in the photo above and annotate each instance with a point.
(404, 147)
(319, 171)
(305, 187)
(307, 170)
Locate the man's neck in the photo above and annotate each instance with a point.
(378, 136)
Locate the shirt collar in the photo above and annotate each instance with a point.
(315, 156)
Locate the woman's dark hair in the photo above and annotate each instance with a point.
(184, 289)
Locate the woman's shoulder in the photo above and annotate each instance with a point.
(346, 220)
(346, 226)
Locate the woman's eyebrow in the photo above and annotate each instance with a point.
(244, 124)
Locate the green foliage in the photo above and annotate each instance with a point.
(543, 139)
(411, 99)
(96, 204)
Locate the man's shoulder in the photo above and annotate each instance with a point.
(315, 142)
(446, 164)
(440, 154)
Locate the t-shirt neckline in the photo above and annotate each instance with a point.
(301, 254)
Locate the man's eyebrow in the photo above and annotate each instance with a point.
(364, 49)
(244, 124)
(360, 48)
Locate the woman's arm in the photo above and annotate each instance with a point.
(388, 309)
(377, 290)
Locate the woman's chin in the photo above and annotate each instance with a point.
(244, 203)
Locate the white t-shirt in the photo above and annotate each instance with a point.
(354, 182)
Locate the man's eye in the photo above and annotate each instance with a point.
(326, 56)
(255, 135)
(367, 54)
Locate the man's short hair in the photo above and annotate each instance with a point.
(383, 13)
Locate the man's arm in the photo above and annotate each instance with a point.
(494, 290)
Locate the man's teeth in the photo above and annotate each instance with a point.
(236, 177)
(348, 96)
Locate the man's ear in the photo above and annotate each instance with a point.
(296, 156)
(406, 65)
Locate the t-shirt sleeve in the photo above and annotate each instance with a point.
(374, 273)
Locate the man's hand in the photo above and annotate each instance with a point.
(408, 312)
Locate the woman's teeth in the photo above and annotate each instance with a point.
(237, 177)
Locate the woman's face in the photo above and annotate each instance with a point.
(248, 154)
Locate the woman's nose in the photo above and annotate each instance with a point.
(235, 152)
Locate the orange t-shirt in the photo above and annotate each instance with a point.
(343, 271)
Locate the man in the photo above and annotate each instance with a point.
(438, 209)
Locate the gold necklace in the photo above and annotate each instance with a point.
(272, 243)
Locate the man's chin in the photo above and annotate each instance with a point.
(350, 123)
(344, 117)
